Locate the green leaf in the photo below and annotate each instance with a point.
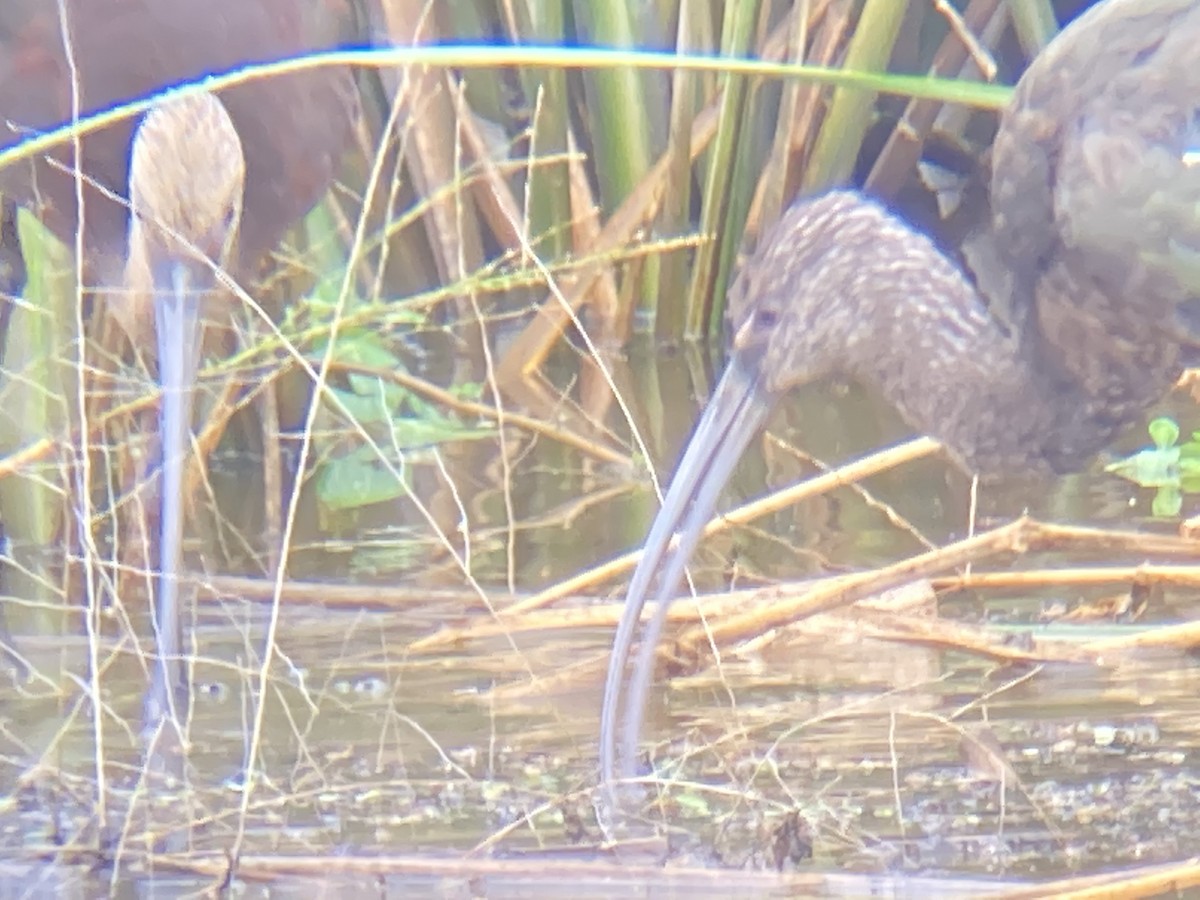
(412, 432)
(1167, 503)
(1164, 431)
(357, 480)
(1149, 468)
(365, 408)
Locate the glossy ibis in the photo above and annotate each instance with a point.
(213, 181)
(1091, 253)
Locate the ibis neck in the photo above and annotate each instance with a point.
(1002, 399)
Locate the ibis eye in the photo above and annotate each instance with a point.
(765, 319)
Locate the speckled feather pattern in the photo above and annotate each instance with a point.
(187, 175)
(187, 183)
(1097, 221)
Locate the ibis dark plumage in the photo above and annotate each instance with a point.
(1079, 319)
(203, 184)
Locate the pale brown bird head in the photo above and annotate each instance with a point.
(187, 177)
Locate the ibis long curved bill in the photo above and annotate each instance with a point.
(186, 186)
(180, 287)
(738, 408)
(1076, 320)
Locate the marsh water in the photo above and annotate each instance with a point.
(469, 770)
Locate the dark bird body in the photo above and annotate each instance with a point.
(1076, 321)
(214, 181)
(293, 129)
